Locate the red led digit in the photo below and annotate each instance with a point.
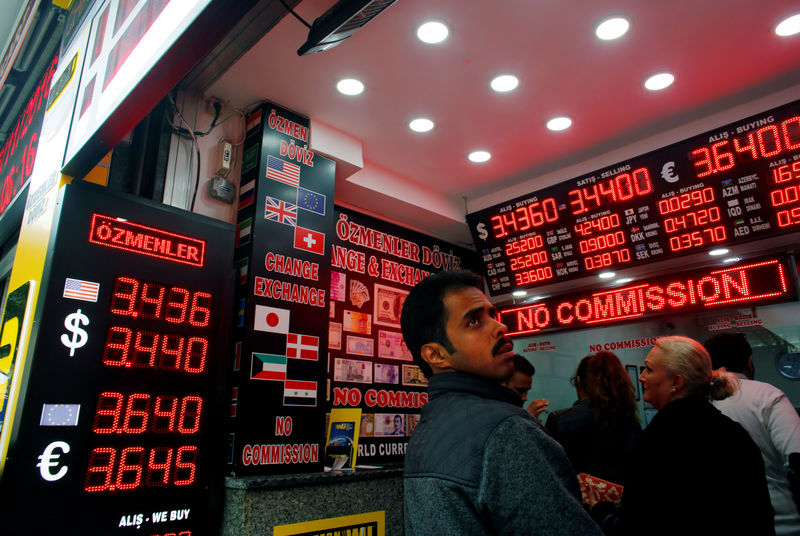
(642, 181)
(550, 209)
(151, 301)
(524, 222)
(145, 349)
(749, 148)
(136, 414)
(723, 160)
(591, 194)
(185, 465)
(200, 314)
(177, 305)
(791, 130)
(498, 228)
(159, 465)
(107, 414)
(123, 299)
(117, 347)
(577, 206)
(171, 352)
(769, 138)
(607, 191)
(129, 475)
(164, 414)
(196, 352)
(191, 410)
(100, 470)
(702, 162)
(624, 186)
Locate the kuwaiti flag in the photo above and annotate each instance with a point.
(271, 319)
(299, 393)
(268, 367)
(300, 346)
(243, 236)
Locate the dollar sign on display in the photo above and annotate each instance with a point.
(79, 336)
(482, 232)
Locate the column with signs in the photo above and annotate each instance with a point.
(284, 222)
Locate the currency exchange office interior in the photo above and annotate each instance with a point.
(523, 102)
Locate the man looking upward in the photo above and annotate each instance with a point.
(475, 448)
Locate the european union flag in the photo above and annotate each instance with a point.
(311, 201)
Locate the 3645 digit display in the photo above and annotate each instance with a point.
(734, 184)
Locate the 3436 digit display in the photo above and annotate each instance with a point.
(734, 184)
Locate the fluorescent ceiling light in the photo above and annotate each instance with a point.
(719, 251)
(432, 32)
(350, 86)
(623, 280)
(731, 260)
(788, 26)
(612, 28)
(519, 293)
(420, 124)
(606, 275)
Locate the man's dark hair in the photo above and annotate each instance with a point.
(729, 350)
(524, 366)
(424, 315)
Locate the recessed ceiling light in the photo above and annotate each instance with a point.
(623, 280)
(350, 86)
(519, 293)
(788, 26)
(659, 81)
(432, 32)
(730, 260)
(559, 123)
(606, 275)
(420, 124)
(719, 251)
(612, 28)
(479, 156)
(504, 83)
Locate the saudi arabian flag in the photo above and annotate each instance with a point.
(299, 393)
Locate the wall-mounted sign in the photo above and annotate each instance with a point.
(734, 184)
(120, 426)
(749, 283)
(369, 524)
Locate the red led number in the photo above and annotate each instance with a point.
(697, 238)
(623, 187)
(786, 195)
(130, 348)
(603, 223)
(607, 258)
(533, 276)
(525, 218)
(177, 305)
(765, 142)
(131, 468)
(526, 244)
(142, 413)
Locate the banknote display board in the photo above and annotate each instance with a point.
(734, 184)
(748, 283)
(121, 424)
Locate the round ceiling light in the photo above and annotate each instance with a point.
(659, 81)
(421, 124)
(504, 83)
(432, 32)
(788, 26)
(479, 156)
(612, 28)
(350, 86)
(559, 123)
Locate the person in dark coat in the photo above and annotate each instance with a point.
(599, 431)
(697, 472)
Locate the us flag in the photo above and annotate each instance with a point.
(81, 290)
(280, 211)
(283, 171)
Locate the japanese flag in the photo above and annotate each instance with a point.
(271, 319)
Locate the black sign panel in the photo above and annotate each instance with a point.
(734, 184)
(120, 431)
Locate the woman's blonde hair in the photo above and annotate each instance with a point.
(688, 358)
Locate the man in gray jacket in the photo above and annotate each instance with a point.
(475, 451)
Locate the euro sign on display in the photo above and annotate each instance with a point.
(79, 336)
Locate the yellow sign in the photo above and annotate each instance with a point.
(342, 445)
(369, 524)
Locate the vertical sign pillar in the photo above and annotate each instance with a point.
(285, 225)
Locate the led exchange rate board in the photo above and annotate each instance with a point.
(734, 184)
(120, 430)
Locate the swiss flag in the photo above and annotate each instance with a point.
(309, 240)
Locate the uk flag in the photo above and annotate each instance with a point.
(280, 211)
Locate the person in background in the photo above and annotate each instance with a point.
(520, 382)
(695, 471)
(599, 431)
(477, 462)
(768, 416)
